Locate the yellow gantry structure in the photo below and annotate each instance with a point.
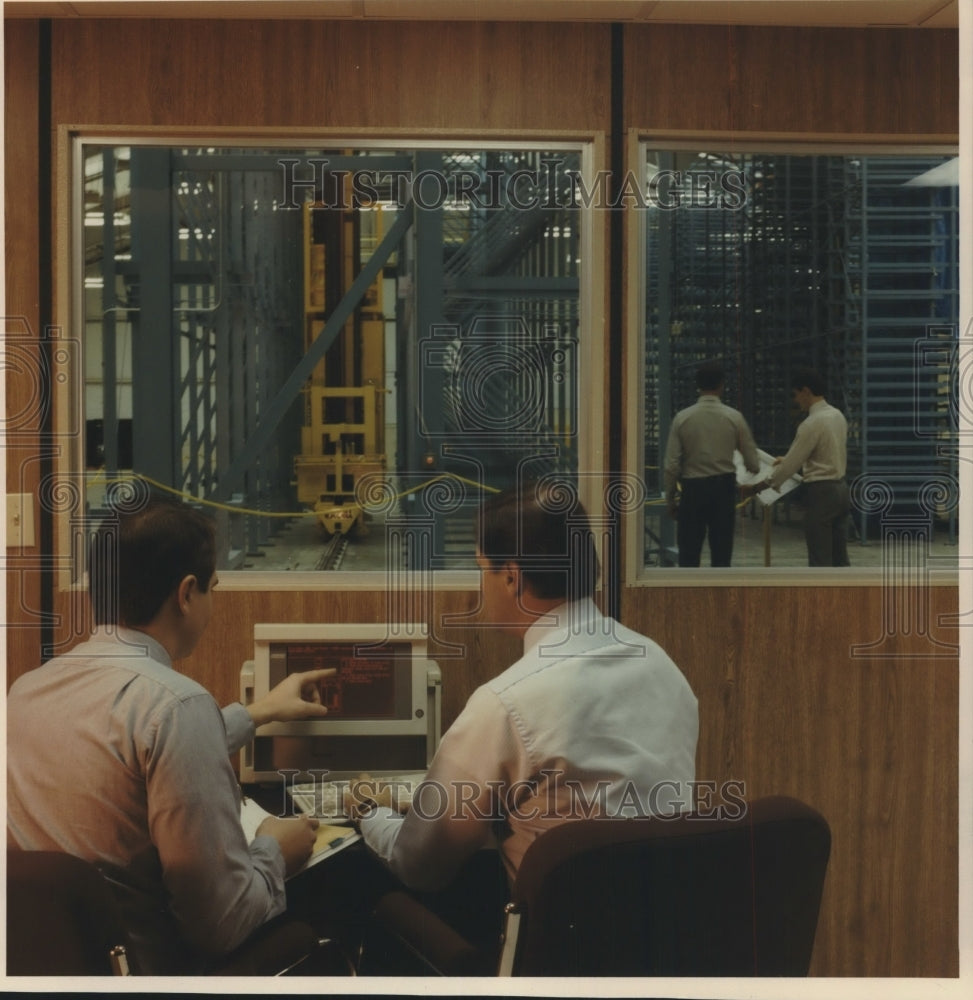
(343, 436)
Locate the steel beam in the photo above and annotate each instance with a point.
(155, 343)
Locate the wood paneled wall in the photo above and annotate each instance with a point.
(824, 81)
(790, 703)
(472, 77)
(784, 706)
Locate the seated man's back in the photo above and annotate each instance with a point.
(593, 719)
(115, 757)
(118, 759)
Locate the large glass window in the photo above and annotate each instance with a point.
(329, 348)
(846, 263)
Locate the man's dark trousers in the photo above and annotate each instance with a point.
(707, 505)
(827, 504)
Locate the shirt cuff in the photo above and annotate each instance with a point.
(268, 859)
(379, 830)
(239, 726)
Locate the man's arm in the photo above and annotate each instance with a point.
(454, 811)
(802, 446)
(748, 447)
(673, 465)
(297, 696)
(220, 889)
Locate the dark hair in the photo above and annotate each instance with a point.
(709, 376)
(139, 558)
(810, 378)
(544, 529)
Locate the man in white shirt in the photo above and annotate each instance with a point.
(116, 757)
(819, 452)
(593, 719)
(699, 459)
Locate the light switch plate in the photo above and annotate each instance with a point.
(20, 520)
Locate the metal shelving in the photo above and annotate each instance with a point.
(835, 262)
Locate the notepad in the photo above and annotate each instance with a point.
(329, 839)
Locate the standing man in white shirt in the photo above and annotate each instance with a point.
(699, 458)
(819, 452)
(592, 719)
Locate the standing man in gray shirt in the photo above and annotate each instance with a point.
(819, 451)
(699, 458)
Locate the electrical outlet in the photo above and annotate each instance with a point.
(20, 520)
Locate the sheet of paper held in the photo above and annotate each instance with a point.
(329, 841)
(766, 497)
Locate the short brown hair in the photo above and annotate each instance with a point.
(138, 558)
(709, 376)
(808, 378)
(544, 529)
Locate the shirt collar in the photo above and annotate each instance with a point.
(135, 643)
(570, 617)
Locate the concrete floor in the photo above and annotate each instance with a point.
(298, 547)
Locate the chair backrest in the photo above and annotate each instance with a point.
(690, 896)
(63, 920)
(61, 917)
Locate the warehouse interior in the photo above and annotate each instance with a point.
(847, 263)
(263, 272)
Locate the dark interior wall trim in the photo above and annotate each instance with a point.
(613, 571)
(45, 254)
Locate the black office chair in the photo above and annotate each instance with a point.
(63, 920)
(691, 896)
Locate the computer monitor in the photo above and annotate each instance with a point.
(384, 702)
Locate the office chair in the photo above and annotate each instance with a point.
(63, 920)
(690, 896)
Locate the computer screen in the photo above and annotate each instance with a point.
(383, 701)
(371, 682)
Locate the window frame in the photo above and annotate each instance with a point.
(68, 372)
(635, 572)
